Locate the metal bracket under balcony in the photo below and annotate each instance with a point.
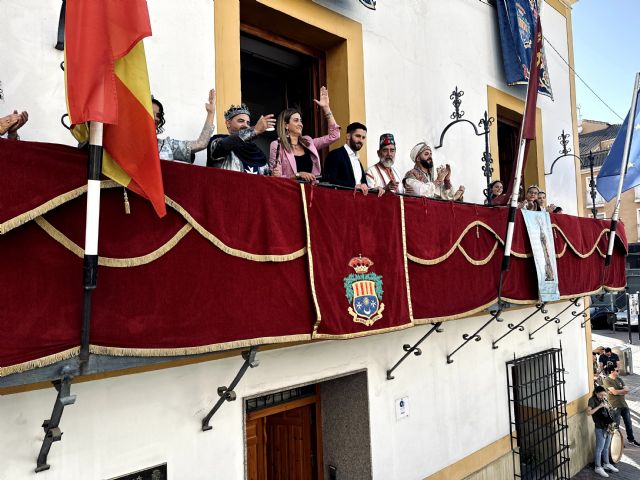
(495, 315)
(575, 315)
(52, 432)
(539, 308)
(556, 318)
(414, 349)
(227, 394)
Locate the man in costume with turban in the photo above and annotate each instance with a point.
(421, 181)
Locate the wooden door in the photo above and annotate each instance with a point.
(256, 451)
(289, 446)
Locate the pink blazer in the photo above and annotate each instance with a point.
(285, 164)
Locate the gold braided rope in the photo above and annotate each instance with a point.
(498, 241)
(227, 249)
(70, 245)
(457, 246)
(575, 250)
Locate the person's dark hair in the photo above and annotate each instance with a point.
(557, 210)
(161, 120)
(599, 389)
(355, 126)
(609, 368)
(607, 350)
(492, 184)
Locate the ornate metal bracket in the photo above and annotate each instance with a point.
(575, 315)
(61, 22)
(485, 123)
(414, 349)
(52, 432)
(539, 308)
(566, 152)
(555, 318)
(226, 393)
(585, 322)
(495, 315)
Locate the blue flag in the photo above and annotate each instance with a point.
(516, 23)
(609, 176)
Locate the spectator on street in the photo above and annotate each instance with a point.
(600, 411)
(608, 358)
(617, 391)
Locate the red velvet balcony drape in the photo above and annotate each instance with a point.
(245, 260)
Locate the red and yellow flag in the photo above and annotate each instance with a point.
(107, 81)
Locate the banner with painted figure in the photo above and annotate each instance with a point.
(516, 23)
(538, 226)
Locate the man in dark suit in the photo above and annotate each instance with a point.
(342, 166)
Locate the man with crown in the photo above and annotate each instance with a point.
(237, 151)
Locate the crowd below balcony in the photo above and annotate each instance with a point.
(297, 156)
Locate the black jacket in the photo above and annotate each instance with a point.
(337, 169)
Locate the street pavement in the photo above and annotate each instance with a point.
(629, 464)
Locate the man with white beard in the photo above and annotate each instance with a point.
(383, 175)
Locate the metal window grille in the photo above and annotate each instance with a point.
(538, 416)
(277, 398)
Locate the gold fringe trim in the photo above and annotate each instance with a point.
(224, 247)
(214, 347)
(41, 209)
(40, 362)
(425, 321)
(310, 259)
(346, 336)
(66, 242)
(404, 258)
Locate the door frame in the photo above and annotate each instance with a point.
(290, 405)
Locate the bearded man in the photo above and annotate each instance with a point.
(237, 151)
(342, 166)
(383, 174)
(421, 181)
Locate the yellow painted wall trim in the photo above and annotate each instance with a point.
(226, 25)
(560, 6)
(495, 98)
(492, 452)
(344, 59)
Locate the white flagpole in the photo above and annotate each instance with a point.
(90, 262)
(623, 169)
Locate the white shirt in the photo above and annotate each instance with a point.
(378, 177)
(355, 164)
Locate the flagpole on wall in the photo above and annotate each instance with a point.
(524, 136)
(623, 169)
(90, 262)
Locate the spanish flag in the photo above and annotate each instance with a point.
(107, 81)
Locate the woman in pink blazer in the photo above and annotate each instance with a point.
(294, 155)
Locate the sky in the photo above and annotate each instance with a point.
(606, 55)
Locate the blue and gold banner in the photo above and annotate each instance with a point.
(517, 22)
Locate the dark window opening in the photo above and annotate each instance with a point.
(275, 75)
